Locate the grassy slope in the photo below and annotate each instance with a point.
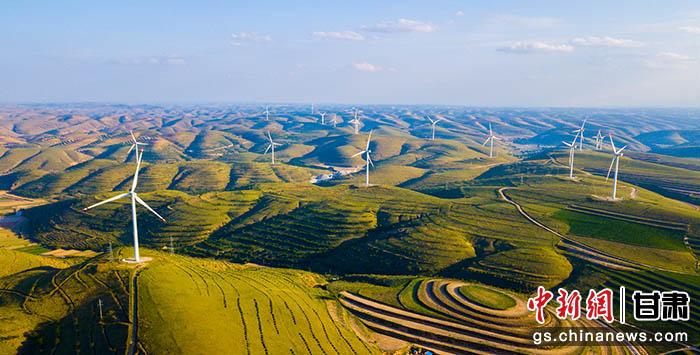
(186, 301)
(546, 197)
(487, 297)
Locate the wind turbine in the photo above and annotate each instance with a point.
(134, 199)
(267, 113)
(579, 132)
(334, 120)
(356, 121)
(271, 146)
(490, 139)
(368, 159)
(433, 123)
(134, 145)
(599, 139)
(323, 118)
(572, 149)
(312, 108)
(617, 153)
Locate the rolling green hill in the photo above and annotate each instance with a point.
(56, 310)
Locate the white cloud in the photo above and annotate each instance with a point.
(459, 13)
(175, 61)
(239, 38)
(168, 60)
(673, 56)
(691, 29)
(670, 60)
(343, 35)
(593, 41)
(366, 67)
(531, 47)
(528, 22)
(401, 25)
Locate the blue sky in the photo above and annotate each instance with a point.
(486, 53)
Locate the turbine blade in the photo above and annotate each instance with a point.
(369, 160)
(369, 138)
(130, 149)
(136, 173)
(487, 140)
(144, 204)
(610, 168)
(268, 148)
(612, 143)
(621, 149)
(567, 144)
(132, 136)
(107, 201)
(269, 136)
(360, 153)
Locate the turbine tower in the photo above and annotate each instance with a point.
(599, 139)
(572, 149)
(579, 132)
(271, 146)
(490, 139)
(433, 123)
(356, 121)
(134, 199)
(323, 118)
(368, 159)
(617, 154)
(134, 145)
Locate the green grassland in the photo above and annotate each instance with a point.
(487, 297)
(668, 180)
(621, 231)
(181, 304)
(344, 229)
(547, 197)
(434, 215)
(268, 310)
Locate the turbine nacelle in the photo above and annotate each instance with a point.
(134, 143)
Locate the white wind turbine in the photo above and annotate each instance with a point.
(579, 132)
(356, 121)
(617, 154)
(134, 145)
(490, 139)
(572, 149)
(134, 199)
(271, 146)
(267, 113)
(599, 140)
(368, 159)
(334, 120)
(433, 123)
(323, 118)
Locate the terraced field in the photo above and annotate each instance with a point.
(596, 276)
(269, 311)
(180, 305)
(193, 219)
(443, 319)
(52, 308)
(645, 230)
